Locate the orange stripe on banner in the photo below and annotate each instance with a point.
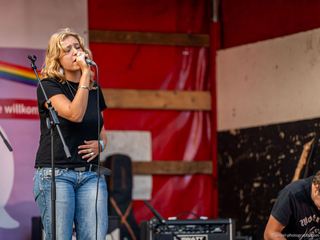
(18, 109)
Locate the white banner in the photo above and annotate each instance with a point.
(269, 82)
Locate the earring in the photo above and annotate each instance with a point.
(61, 71)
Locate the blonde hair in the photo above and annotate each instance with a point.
(51, 67)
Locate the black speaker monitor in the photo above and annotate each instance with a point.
(188, 229)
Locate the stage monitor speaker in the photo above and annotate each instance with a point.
(188, 229)
(113, 229)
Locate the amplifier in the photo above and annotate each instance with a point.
(188, 229)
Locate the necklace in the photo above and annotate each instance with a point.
(69, 85)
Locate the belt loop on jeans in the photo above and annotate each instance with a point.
(90, 167)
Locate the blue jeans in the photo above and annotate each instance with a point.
(75, 202)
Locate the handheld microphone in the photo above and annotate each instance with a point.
(90, 62)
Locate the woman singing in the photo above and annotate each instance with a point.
(68, 83)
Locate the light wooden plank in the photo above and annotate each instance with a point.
(173, 39)
(172, 167)
(157, 99)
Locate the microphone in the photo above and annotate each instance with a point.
(90, 62)
(162, 221)
(160, 218)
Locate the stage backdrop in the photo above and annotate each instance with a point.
(163, 135)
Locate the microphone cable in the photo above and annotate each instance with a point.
(98, 113)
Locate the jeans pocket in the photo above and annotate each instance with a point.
(36, 184)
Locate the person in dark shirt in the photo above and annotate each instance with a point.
(296, 213)
(68, 82)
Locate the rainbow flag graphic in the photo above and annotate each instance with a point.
(18, 73)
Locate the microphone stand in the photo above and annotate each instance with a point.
(52, 123)
(6, 142)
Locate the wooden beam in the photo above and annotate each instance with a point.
(172, 167)
(172, 39)
(157, 99)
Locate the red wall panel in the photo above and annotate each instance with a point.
(151, 67)
(167, 16)
(176, 135)
(251, 20)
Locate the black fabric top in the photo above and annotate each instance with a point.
(296, 210)
(73, 133)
